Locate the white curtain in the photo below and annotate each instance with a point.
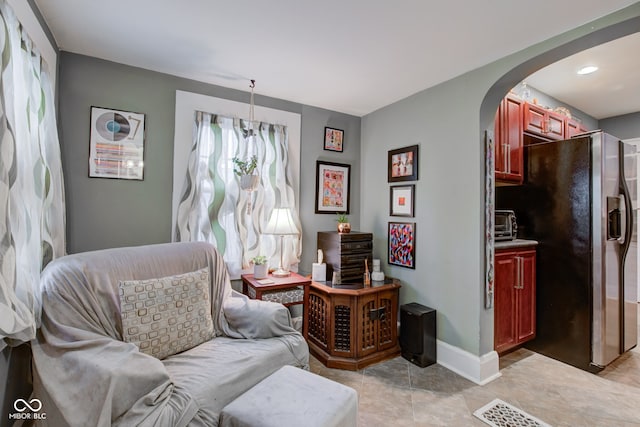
(213, 208)
(32, 218)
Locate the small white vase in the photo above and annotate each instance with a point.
(260, 271)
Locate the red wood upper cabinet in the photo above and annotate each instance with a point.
(542, 122)
(508, 141)
(574, 127)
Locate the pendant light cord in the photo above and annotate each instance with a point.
(251, 116)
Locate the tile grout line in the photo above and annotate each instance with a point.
(413, 407)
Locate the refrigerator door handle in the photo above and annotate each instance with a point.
(623, 220)
(625, 198)
(614, 218)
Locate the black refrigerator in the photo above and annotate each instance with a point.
(577, 201)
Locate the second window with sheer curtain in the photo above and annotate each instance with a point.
(214, 208)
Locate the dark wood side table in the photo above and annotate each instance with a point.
(352, 326)
(291, 290)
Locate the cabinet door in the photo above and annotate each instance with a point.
(319, 329)
(387, 318)
(512, 135)
(555, 125)
(505, 269)
(573, 128)
(526, 296)
(500, 161)
(542, 122)
(508, 141)
(534, 119)
(367, 326)
(342, 322)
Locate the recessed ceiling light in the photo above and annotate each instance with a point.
(587, 70)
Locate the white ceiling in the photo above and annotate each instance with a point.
(613, 90)
(350, 56)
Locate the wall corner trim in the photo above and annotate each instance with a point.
(479, 369)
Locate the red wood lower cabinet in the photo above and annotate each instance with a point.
(514, 297)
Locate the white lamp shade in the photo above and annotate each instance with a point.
(281, 223)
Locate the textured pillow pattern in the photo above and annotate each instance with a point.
(167, 315)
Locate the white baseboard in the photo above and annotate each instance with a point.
(479, 369)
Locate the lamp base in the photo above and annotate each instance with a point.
(281, 273)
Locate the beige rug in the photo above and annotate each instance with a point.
(498, 413)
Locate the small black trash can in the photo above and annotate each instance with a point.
(418, 334)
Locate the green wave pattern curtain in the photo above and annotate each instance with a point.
(32, 217)
(214, 209)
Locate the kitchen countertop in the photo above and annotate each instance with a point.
(517, 243)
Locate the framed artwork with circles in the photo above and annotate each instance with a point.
(116, 144)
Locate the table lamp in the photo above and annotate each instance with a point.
(281, 223)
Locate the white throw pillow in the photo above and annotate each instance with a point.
(167, 315)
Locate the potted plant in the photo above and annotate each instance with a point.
(343, 223)
(245, 169)
(260, 267)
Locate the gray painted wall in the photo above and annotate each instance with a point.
(104, 213)
(624, 127)
(448, 122)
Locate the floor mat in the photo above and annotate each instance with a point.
(498, 413)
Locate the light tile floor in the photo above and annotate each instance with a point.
(397, 393)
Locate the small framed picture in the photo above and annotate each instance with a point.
(332, 187)
(402, 244)
(403, 164)
(116, 144)
(401, 200)
(333, 139)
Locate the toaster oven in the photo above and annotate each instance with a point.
(505, 225)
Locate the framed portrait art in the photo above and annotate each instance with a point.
(402, 244)
(332, 187)
(333, 139)
(403, 164)
(401, 200)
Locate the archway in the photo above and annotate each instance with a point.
(487, 114)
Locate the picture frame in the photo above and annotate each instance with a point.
(401, 239)
(333, 139)
(402, 164)
(401, 200)
(333, 184)
(116, 144)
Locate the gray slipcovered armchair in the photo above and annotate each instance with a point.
(100, 357)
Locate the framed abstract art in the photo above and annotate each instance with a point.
(401, 200)
(402, 244)
(332, 187)
(402, 164)
(333, 139)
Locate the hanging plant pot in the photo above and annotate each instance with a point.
(249, 182)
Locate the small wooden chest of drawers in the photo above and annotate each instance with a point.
(345, 253)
